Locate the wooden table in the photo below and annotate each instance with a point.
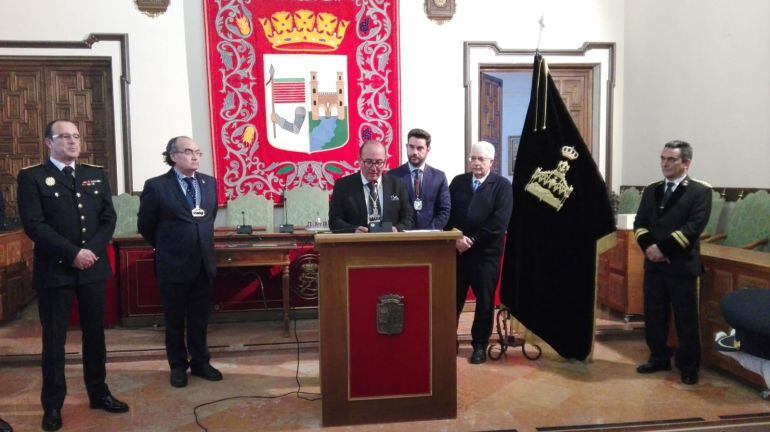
(256, 254)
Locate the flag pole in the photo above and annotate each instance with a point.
(541, 22)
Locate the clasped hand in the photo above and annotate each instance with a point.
(84, 259)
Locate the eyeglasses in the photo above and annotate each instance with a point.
(190, 152)
(478, 158)
(66, 137)
(376, 163)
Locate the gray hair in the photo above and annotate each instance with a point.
(486, 149)
(684, 147)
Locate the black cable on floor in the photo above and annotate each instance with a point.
(299, 394)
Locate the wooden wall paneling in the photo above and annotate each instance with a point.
(576, 89)
(490, 115)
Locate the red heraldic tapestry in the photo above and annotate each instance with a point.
(295, 87)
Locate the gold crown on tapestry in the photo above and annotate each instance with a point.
(304, 30)
(550, 186)
(569, 152)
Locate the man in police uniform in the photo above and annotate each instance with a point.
(671, 217)
(66, 209)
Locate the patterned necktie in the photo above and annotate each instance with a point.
(374, 199)
(476, 184)
(417, 174)
(69, 175)
(667, 193)
(190, 192)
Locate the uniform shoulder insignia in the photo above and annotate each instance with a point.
(92, 165)
(701, 182)
(655, 183)
(32, 166)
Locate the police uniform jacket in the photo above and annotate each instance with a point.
(61, 220)
(676, 227)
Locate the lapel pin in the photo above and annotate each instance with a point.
(50, 181)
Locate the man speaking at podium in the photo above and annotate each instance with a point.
(366, 200)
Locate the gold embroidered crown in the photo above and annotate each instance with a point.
(303, 30)
(551, 186)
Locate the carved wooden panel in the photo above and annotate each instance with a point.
(576, 89)
(34, 92)
(490, 114)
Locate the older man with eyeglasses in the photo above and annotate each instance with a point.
(176, 216)
(364, 201)
(66, 209)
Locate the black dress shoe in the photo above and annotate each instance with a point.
(178, 377)
(109, 404)
(51, 420)
(690, 378)
(206, 372)
(479, 355)
(651, 367)
(4, 426)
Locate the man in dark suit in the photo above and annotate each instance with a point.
(428, 190)
(482, 202)
(367, 198)
(4, 426)
(671, 217)
(176, 216)
(66, 209)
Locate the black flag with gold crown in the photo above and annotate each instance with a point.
(560, 209)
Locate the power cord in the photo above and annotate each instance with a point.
(299, 393)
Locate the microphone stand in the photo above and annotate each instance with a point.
(286, 227)
(243, 229)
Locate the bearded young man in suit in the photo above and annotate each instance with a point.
(482, 202)
(176, 216)
(671, 217)
(66, 209)
(367, 198)
(427, 186)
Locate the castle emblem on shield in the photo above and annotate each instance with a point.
(306, 101)
(306, 95)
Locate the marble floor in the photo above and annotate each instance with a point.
(260, 366)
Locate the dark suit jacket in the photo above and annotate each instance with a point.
(181, 241)
(676, 228)
(62, 220)
(435, 196)
(347, 210)
(483, 216)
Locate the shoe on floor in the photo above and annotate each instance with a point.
(178, 377)
(651, 367)
(479, 355)
(51, 420)
(206, 372)
(110, 404)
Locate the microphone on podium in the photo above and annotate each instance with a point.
(243, 229)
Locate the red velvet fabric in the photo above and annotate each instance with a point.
(383, 365)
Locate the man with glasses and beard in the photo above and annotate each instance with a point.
(366, 199)
(66, 209)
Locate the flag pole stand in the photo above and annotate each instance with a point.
(507, 340)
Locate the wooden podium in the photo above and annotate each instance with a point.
(387, 323)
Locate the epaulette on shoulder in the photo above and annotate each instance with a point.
(702, 182)
(32, 166)
(92, 165)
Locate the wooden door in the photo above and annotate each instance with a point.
(490, 114)
(576, 87)
(34, 92)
